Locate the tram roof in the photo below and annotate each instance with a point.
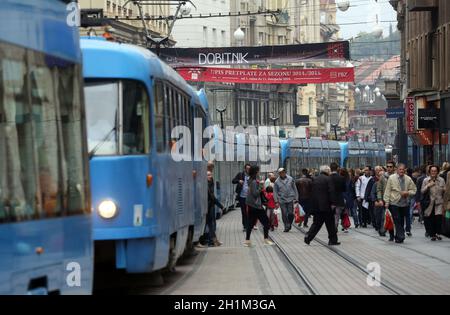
(110, 60)
(40, 25)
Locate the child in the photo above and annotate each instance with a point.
(270, 205)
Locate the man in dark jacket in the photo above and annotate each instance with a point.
(322, 204)
(418, 198)
(304, 188)
(241, 180)
(339, 190)
(211, 216)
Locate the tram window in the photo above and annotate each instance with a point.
(135, 123)
(174, 113)
(159, 117)
(102, 103)
(176, 106)
(40, 176)
(187, 111)
(167, 114)
(182, 111)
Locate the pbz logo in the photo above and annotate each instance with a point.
(73, 15)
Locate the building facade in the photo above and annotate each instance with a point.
(108, 18)
(199, 32)
(425, 79)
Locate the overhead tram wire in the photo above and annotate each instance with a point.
(362, 3)
(230, 14)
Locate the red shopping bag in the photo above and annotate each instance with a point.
(346, 224)
(275, 220)
(388, 222)
(298, 217)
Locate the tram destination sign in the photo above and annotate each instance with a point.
(281, 54)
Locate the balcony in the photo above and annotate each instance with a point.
(422, 5)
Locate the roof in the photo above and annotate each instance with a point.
(369, 71)
(40, 25)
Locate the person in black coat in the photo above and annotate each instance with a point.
(211, 216)
(323, 205)
(241, 182)
(339, 191)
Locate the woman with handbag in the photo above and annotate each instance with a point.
(433, 189)
(255, 207)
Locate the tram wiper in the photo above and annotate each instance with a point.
(101, 143)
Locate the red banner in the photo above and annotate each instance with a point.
(261, 76)
(410, 109)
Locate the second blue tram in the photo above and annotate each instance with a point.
(146, 209)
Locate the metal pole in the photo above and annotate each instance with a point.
(221, 111)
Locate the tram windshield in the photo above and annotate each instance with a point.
(43, 171)
(108, 104)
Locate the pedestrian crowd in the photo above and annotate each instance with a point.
(385, 198)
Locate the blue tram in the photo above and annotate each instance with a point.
(148, 208)
(312, 153)
(45, 221)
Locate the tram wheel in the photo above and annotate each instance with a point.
(172, 256)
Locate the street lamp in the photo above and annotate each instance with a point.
(274, 120)
(186, 8)
(343, 5)
(221, 110)
(239, 35)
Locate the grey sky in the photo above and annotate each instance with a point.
(366, 11)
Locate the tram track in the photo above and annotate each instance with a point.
(406, 247)
(309, 286)
(385, 284)
(309, 281)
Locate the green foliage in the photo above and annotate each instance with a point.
(366, 45)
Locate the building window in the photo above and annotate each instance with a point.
(214, 31)
(205, 35)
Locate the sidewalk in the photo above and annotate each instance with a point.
(233, 269)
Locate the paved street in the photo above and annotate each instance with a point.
(416, 267)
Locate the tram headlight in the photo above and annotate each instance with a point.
(107, 209)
